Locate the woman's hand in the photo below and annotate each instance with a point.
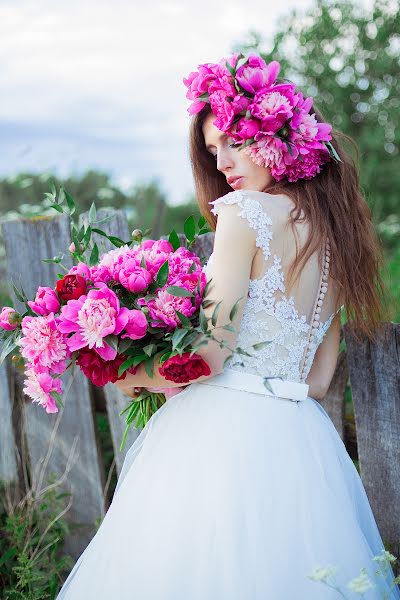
(127, 386)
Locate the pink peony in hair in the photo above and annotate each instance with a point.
(271, 118)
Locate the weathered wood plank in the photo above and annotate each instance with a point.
(27, 241)
(375, 384)
(8, 461)
(334, 401)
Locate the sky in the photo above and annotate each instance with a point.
(94, 84)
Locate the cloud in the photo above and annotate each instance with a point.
(100, 83)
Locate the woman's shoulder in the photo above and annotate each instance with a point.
(278, 206)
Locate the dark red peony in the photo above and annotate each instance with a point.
(181, 369)
(99, 371)
(71, 287)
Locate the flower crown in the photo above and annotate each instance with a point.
(270, 121)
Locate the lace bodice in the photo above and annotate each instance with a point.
(293, 337)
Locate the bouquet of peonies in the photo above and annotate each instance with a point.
(142, 302)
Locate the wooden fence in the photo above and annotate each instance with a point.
(67, 445)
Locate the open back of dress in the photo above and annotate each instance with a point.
(293, 325)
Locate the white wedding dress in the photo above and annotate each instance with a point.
(231, 491)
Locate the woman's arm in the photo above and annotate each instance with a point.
(233, 253)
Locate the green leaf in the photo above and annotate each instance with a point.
(234, 309)
(86, 237)
(81, 233)
(58, 208)
(333, 151)
(178, 336)
(7, 555)
(106, 219)
(230, 68)
(57, 398)
(203, 320)
(112, 341)
(150, 349)
(162, 274)
(99, 231)
(175, 290)
(51, 260)
(92, 213)
(183, 319)
(61, 195)
(261, 345)
(128, 363)
(8, 346)
(124, 344)
(148, 366)
(116, 241)
(94, 256)
(215, 313)
(18, 294)
(174, 240)
(70, 202)
(189, 228)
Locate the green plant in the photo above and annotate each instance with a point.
(32, 533)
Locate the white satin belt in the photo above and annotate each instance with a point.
(248, 382)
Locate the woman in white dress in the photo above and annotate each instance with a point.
(237, 490)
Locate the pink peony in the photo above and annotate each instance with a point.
(223, 109)
(100, 274)
(267, 151)
(306, 168)
(39, 385)
(240, 103)
(8, 318)
(180, 262)
(46, 301)
(256, 74)
(134, 277)
(190, 281)
(273, 109)
(43, 343)
(80, 269)
(136, 327)
(163, 308)
(246, 129)
(92, 318)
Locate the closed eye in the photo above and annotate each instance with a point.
(230, 145)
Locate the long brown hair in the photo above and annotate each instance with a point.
(333, 204)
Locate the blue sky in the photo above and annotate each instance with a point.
(96, 84)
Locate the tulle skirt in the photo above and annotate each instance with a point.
(233, 494)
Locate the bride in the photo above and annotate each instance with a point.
(239, 486)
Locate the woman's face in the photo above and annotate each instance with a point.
(232, 162)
